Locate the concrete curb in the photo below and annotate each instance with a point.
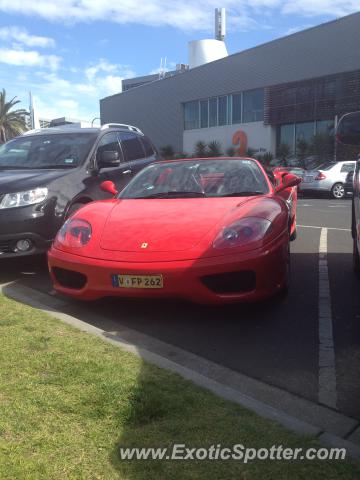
(133, 341)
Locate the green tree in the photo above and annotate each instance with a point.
(302, 149)
(266, 159)
(214, 149)
(12, 122)
(200, 149)
(167, 152)
(283, 153)
(230, 152)
(323, 146)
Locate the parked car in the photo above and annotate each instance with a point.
(348, 133)
(46, 175)
(328, 179)
(209, 230)
(349, 183)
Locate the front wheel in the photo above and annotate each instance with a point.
(338, 191)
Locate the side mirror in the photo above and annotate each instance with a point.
(109, 159)
(288, 181)
(348, 129)
(109, 187)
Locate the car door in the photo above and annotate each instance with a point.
(346, 168)
(119, 174)
(134, 151)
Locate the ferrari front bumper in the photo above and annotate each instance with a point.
(230, 278)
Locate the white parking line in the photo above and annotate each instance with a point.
(327, 228)
(327, 369)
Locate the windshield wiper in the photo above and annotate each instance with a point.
(243, 194)
(173, 193)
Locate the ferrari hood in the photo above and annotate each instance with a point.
(163, 225)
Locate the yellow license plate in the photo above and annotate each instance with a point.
(138, 281)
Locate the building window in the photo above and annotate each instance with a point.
(253, 106)
(213, 113)
(305, 131)
(204, 113)
(325, 126)
(191, 115)
(223, 110)
(287, 135)
(237, 108)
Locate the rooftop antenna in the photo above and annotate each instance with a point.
(220, 24)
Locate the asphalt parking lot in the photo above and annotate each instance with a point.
(307, 344)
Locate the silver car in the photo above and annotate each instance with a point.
(330, 178)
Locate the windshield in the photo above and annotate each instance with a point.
(198, 178)
(46, 151)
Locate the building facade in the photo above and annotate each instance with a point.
(276, 93)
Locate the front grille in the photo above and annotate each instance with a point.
(6, 247)
(231, 282)
(69, 278)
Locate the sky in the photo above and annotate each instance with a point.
(71, 53)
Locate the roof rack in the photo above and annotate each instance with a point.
(121, 126)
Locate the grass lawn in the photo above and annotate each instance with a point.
(69, 400)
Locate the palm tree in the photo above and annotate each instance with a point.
(12, 122)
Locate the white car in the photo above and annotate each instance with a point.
(330, 178)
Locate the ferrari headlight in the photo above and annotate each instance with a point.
(22, 199)
(242, 232)
(74, 233)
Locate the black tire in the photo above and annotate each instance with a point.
(73, 208)
(338, 191)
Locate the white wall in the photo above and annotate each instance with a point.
(260, 136)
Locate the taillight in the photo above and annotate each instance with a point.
(321, 176)
(74, 233)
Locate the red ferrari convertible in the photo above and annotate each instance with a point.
(212, 230)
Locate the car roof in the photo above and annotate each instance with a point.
(78, 130)
(204, 159)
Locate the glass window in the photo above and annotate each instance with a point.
(236, 108)
(108, 143)
(253, 106)
(287, 135)
(66, 150)
(148, 147)
(213, 105)
(132, 147)
(325, 126)
(223, 110)
(305, 131)
(348, 167)
(204, 113)
(191, 115)
(191, 178)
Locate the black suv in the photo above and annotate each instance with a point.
(48, 174)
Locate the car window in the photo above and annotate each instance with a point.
(327, 166)
(207, 178)
(132, 147)
(148, 147)
(108, 143)
(347, 167)
(46, 151)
